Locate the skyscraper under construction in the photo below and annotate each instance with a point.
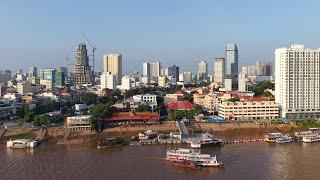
(82, 70)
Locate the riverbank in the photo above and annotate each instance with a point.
(226, 131)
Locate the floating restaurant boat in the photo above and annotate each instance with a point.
(190, 158)
(284, 139)
(311, 138)
(207, 140)
(272, 137)
(21, 143)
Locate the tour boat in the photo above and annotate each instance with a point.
(311, 138)
(272, 137)
(21, 143)
(303, 133)
(284, 139)
(190, 157)
(207, 140)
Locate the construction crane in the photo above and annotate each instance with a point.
(94, 48)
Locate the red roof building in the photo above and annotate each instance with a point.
(180, 105)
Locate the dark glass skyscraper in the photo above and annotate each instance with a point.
(231, 62)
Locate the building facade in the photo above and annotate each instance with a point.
(231, 62)
(82, 70)
(297, 82)
(219, 70)
(113, 63)
(247, 110)
(202, 70)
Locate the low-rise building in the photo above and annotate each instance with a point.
(149, 99)
(78, 123)
(248, 110)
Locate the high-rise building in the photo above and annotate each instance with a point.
(48, 74)
(151, 70)
(82, 70)
(297, 82)
(60, 79)
(242, 82)
(108, 80)
(202, 70)
(63, 69)
(263, 68)
(185, 77)
(113, 63)
(228, 84)
(32, 72)
(219, 70)
(125, 83)
(146, 72)
(20, 71)
(248, 70)
(231, 62)
(162, 81)
(5, 76)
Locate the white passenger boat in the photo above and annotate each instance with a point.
(284, 139)
(188, 158)
(272, 137)
(311, 138)
(21, 143)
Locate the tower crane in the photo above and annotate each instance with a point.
(94, 48)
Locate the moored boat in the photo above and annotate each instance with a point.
(284, 139)
(311, 138)
(272, 137)
(21, 143)
(207, 140)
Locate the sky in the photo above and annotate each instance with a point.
(42, 32)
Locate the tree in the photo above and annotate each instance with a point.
(98, 111)
(143, 108)
(89, 98)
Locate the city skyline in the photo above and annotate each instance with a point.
(39, 35)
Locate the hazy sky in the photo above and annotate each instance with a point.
(42, 32)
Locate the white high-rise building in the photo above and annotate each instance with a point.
(113, 63)
(202, 70)
(146, 72)
(125, 83)
(297, 78)
(242, 82)
(151, 70)
(162, 81)
(228, 84)
(219, 70)
(108, 80)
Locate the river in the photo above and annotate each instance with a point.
(242, 161)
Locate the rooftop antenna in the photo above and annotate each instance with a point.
(93, 46)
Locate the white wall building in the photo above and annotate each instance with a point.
(228, 84)
(242, 82)
(297, 82)
(108, 81)
(125, 83)
(162, 82)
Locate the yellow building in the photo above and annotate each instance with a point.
(248, 110)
